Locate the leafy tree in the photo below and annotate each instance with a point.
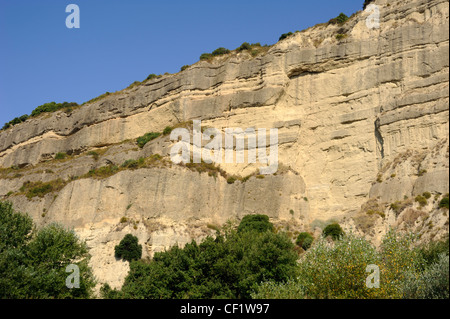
(15, 228)
(33, 262)
(128, 248)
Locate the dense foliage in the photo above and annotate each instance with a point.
(33, 262)
(227, 266)
(338, 270)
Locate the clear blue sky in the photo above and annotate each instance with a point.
(121, 41)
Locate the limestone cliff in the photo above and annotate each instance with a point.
(363, 129)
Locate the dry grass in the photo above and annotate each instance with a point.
(410, 216)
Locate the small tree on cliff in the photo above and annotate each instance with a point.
(128, 248)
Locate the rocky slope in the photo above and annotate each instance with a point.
(363, 129)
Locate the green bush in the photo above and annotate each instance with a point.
(217, 52)
(244, 46)
(444, 203)
(141, 141)
(220, 51)
(128, 248)
(334, 230)
(304, 240)
(285, 35)
(60, 156)
(421, 200)
(258, 223)
(205, 56)
(427, 195)
(340, 19)
(184, 67)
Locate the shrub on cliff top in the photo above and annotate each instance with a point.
(52, 107)
(285, 35)
(340, 19)
(220, 51)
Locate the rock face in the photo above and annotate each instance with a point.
(361, 118)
